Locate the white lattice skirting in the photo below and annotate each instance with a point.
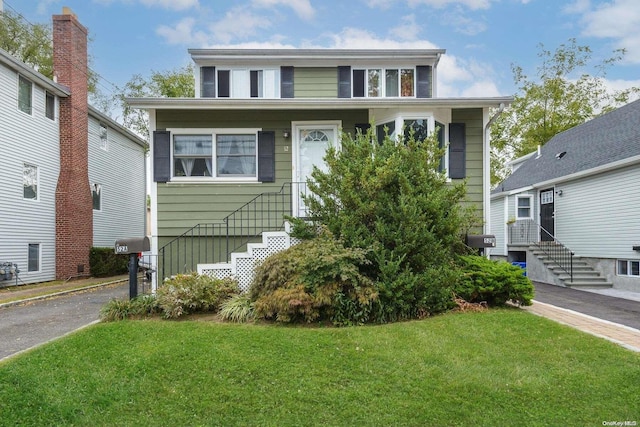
(242, 264)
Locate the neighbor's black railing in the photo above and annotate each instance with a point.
(531, 233)
(214, 242)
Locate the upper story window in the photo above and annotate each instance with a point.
(25, 95)
(238, 83)
(96, 195)
(104, 141)
(378, 82)
(29, 182)
(234, 155)
(50, 106)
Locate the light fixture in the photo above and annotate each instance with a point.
(286, 133)
(559, 192)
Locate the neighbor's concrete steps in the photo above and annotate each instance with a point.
(584, 275)
(242, 264)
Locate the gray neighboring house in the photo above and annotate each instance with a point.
(580, 194)
(71, 177)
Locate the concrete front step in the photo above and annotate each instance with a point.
(584, 275)
(588, 285)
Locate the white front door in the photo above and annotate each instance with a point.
(311, 141)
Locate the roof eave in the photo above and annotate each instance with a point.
(36, 77)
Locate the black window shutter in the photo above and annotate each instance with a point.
(208, 82)
(223, 84)
(254, 83)
(286, 82)
(358, 83)
(344, 82)
(457, 150)
(267, 156)
(161, 156)
(424, 79)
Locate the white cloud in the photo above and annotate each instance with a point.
(380, 4)
(302, 8)
(238, 23)
(618, 20)
(182, 33)
(171, 4)
(465, 25)
(407, 30)
(578, 6)
(163, 4)
(439, 4)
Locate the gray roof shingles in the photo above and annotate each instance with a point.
(605, 139)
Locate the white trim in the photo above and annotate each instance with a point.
(505, 218)
(524, 196)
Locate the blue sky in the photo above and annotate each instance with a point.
(482, 37)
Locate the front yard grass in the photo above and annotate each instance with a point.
(500, 367)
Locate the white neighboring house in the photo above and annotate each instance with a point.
(30, 141)
(580, 190)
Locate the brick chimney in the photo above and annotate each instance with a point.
(74, 206)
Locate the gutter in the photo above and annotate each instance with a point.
(486, 173)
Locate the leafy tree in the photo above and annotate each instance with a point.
(176, 83)
(553, 103)
(391, 200)
(32, 44)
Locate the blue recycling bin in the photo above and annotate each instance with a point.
(522, 265)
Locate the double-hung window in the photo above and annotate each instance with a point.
(33, 263)
(524, 207)
(29, 182)
(25, 95)
(96, 196)
(378, 82)
(219, 155)
(50, 106)
(104, 137)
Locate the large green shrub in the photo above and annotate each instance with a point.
(494, 282)
(104, 262)
(392, 200)
(318, 279)
(193, 293)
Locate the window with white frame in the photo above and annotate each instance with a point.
(233, 155)
(25, 95)
(389, 82)
(524, 207)
(33, 263)
(96, 196)
(627, 267)
(29, 181)
(104, 137)
(50, 106)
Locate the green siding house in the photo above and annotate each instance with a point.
(230, 162)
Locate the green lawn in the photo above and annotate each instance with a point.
(502, 367)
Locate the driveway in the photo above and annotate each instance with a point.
(29, 324)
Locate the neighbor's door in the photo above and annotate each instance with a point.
(310, 145)
(547, 213)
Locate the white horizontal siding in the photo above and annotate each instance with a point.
(498, 223)
(599, 216)
(121, 172)
(29, 139)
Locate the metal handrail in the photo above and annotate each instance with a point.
(529, 232)
(215, 241)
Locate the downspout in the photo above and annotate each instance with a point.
(486, 174)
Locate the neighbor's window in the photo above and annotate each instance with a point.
(104, 141)
(628, 268)
(524, 207)
(50, 106)
(34, 257)
(96, 195)
(399, 82)
(25, 89)
(29, 181)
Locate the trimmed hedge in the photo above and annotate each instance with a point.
(104, 262)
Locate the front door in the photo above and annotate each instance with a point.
(547, 212)
(310, 145)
